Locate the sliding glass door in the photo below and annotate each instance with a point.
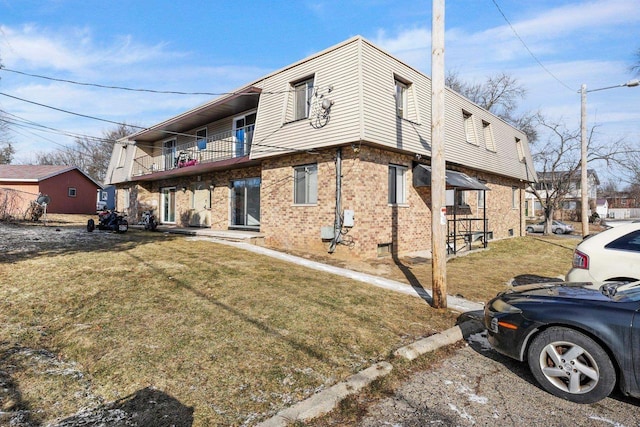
(245, 203)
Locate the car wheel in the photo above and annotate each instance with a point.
(529, 229)
(558, 231)
(571, 365)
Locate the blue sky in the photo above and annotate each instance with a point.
(217, 46)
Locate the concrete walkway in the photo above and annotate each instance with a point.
(455, 303)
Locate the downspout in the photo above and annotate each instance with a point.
(484, 219)
(521, 208)
(337, 228)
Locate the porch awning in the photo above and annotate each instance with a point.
(457, 180)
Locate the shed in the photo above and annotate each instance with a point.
(70, 190)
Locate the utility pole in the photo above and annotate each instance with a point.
(584, 183)
(584, 194)
(438, 166)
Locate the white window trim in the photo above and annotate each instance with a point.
(169, 165)
(308, 84)
(235, 128)
(402, 98)
(307, 201)
(400, 182)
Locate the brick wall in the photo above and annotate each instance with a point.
(406, 227)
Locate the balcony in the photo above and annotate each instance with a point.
(216, 148)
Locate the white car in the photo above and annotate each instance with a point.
(557, 227)
(612, 255)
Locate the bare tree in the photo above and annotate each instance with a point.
(6, 146)
(90, 154)
(501, 95)
(609, 187)
(558, 162)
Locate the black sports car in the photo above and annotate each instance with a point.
(579, 342)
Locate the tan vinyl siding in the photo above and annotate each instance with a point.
(362, 78)
(503, 160)
(381, 124)
(275, 130)
(119, 169)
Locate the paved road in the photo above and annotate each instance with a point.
(479, 387)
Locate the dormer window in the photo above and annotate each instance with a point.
(469, 128)
(303, 91)
(520, 148)
(401, 99)
(123, 156)
(489, 141)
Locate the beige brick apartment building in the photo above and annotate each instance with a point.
(330, 153)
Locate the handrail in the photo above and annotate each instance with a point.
(221, 146)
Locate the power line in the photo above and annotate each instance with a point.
(270, 148)
(15, 120)
(69, 112)
(110, 87)
(529, 50)
(171, 92)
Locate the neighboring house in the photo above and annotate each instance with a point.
(623, 204)
(622, 200)
(337, 141)
(570, 183)
(70, 190)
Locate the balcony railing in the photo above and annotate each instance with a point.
(222, 146)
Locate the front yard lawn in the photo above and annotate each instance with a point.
(230, 336)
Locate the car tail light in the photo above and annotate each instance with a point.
(580, 260)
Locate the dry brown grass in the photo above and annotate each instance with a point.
(232, 335)
(478, 275)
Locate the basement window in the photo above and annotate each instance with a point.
(385, 249)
